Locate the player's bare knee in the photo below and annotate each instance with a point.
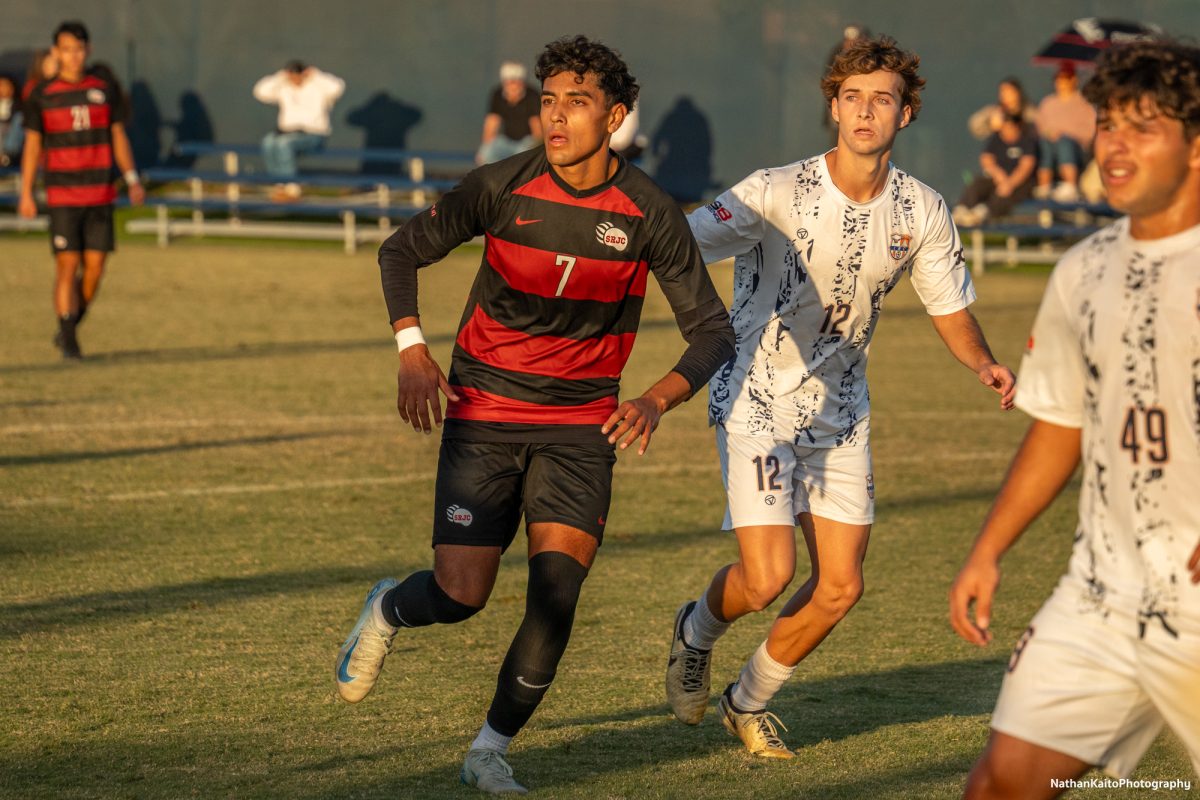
(836, 598)
(995, 777)
(466, 595)
(763, 591)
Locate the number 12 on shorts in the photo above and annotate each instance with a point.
(767, 480)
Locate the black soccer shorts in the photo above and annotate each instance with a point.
(483, 488)
(74, 229)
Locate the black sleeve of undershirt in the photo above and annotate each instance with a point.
(429, 237)
(710, 340)
(699, 312)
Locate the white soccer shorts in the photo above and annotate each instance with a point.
(1088, 687)
(768, 482)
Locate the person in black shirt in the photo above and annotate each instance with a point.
(512, 124)
(1009, 163)
(571, 233)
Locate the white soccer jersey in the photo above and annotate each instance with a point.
(1115, 351)
(811, 273)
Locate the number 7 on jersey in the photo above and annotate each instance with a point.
(561, 260)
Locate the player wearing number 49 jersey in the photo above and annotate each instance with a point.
(1111, 377)
(76, 133)
(819, 244)
(571, 232)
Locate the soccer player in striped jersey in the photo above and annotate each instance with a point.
(1111, 377)
(819, 244)
(571, 233)
(75, 121)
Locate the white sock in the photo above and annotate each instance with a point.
(759, 681)
(701, 628)
(490, 739)
(377, 614)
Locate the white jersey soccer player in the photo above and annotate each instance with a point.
(1111, 377)
(812, 270)
(819, 244)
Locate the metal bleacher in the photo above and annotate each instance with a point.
(240, 211)
(1037, 232)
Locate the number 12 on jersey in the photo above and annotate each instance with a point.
(564, 261)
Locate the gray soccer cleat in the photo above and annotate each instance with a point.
(488, 771)
(360, 660)
(687, 674)
(755, 729)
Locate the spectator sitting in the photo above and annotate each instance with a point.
(305, 95)
(1008, 161)
(1010, 99)
(1067, 124)
(513, 123)
(12, 131)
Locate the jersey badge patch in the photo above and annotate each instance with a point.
(720, 213)
(613, 237)
(459, 516)
(899, 246)
(95, 96)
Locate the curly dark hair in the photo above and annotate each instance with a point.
(73, 27)
(1164, 70)
(581, 55)
(865, 56)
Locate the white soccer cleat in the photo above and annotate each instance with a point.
(488, 771)
(360, 660)
(756, 729)
(687, 674)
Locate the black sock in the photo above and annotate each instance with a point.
(419, 601)
(555, 580)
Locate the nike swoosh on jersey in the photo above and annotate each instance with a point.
(526, 221)
(343, 675)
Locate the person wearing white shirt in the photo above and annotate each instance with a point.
(1111, 378)
(818, 245)
(305, 96)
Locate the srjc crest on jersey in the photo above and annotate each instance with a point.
(899, 246)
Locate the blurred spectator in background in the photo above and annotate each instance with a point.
(1008, 162)
(305, 96)
(627, 140)
(12, 133)
(850, 34)
(43, 67)
(1010, 100)
(1067, 125)
(513, 123)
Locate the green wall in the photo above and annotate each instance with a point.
(749, 68)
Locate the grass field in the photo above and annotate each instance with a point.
(190, 517)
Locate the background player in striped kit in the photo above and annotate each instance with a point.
(1111, 376)
(77, 120)
(819, 245)
(571, 233)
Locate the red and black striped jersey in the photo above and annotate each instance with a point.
(554, 309)
(75, 121)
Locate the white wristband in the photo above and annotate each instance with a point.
(407, 337)
(131, 178)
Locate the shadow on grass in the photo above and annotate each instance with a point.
(188, 355)
(618, 540)
(178, 447)
(636, 751)
(17, 619)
